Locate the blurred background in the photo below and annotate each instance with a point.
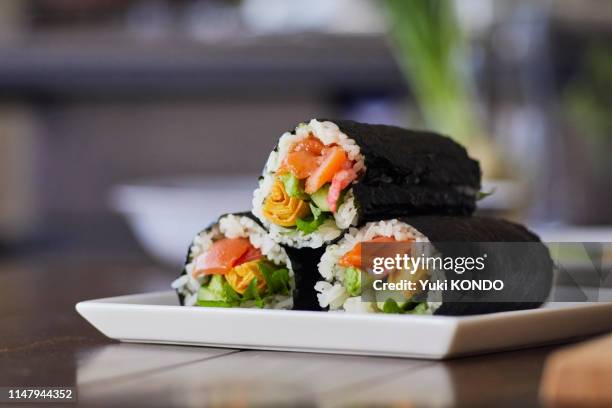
(128, 125)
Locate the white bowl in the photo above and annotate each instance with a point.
(165, 215)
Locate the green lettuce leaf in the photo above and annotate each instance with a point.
(251, 293)
(352, 281)
(311, 223)
(231, 295)
(214, 303)
(416, 308)
(391, 306)
(277, 280)
(219, 293)
(213, 290)
(281, 279)
(293, 186)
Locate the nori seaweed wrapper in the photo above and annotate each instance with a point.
(303, 262)
(411, 172)
(526, 270)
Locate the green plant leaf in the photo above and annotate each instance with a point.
(313, 222)
(316, 211)
(277, 280)
(281, 279)
(293, 186)
(352, 281)
(231, 295)
(391, 306)
(482, 195)
(252, 293)
(213, 303)
(433, 55)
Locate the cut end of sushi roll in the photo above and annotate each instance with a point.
(235, 263)
(341, 289)
(327, 176)
(305, 194)
(510, 255)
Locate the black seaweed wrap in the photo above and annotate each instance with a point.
(526, 270)
(303, 263)
(411, 172)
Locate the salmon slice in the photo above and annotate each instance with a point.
(302, 163)
(353, 257)
(311, 144)
(223, 255)
(332, 162)
(253, 254)
(304, 157)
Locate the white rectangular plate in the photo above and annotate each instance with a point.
(157, 318)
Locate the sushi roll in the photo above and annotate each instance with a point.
(522, 263)
(234, 263)
(327, 176)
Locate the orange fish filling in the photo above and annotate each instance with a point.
(353, 257)
(303, 157)
(223, 255)
(332, 161)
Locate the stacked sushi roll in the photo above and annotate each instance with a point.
(325, 177)
(527, 274)
(234, 263)
(330, 186)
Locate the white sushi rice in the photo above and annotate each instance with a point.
(233, 226)
(346, 215)
(332, 292)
